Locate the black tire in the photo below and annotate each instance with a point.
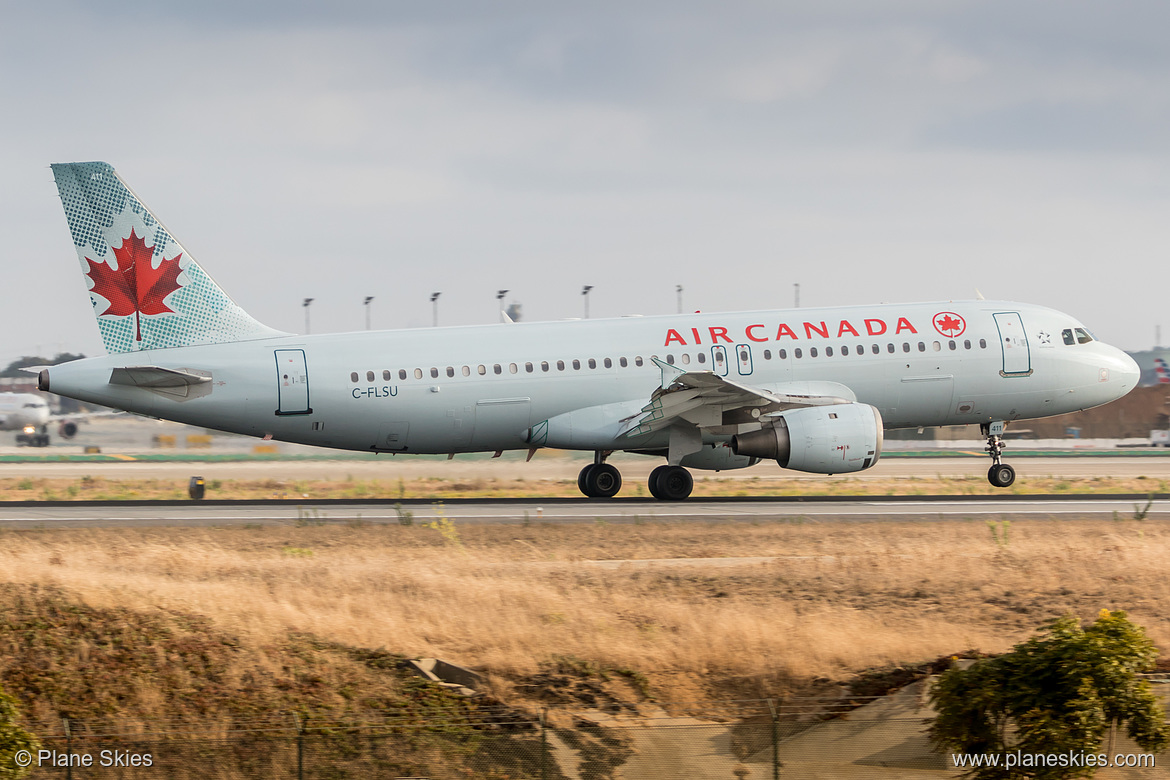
(652, 482)
(603, 481)
(583, 479)
(1001, 476)
(674, 484)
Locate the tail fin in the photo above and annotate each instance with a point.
(147, 292)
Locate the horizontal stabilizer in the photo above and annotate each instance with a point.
(181, 383)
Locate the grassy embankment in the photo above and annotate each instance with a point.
(212, 623)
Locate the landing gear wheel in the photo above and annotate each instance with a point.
(1001, 475)
(599, 480)
(652, 482)
(671, 483)
(603, 481)
(583, 479)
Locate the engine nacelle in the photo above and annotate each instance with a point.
(717, 457)
(67, 429)
(834, 439)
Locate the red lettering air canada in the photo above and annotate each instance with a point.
(757, 332)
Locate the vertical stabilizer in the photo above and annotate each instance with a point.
(147, 292)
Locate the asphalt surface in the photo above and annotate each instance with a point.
(207, 514)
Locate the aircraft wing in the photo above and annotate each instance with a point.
(708, 400)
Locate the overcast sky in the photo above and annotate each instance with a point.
(869, 151)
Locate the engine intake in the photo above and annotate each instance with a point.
(835, 439)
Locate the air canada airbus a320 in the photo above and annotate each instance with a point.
(812, 389)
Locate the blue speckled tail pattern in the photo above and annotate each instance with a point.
(102, 212)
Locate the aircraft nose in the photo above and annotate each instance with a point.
(1125, 370)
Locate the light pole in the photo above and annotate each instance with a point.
(435, 307)
(500, 297)
(678, 289)
(366, 303)
(306, 305)
(585, 292)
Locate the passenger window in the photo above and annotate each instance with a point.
(890, 348)
(623, 362)
(576, 365)
(796, 353)
(434, 373)
(638, 360)
(982, 343)
(482, 369)
(528, 367)
(467, 371)
(608, 363)
(544, 365)
(670, 359)
(418, 373)
(921, 347)
(877, 350)
(1083, 336)
(828, 352)
(369, 376)
(686, 358)
(936, 346)
(450, 371)
(966, 343)
(353, 377)
(1067, 335)
(767, 354)
(560, 365)
(592, 363)
(953, 345)
(812, 351)
(905, 346)
(513, 368)
(845, 351)
(782, 354)
(385, 375)
(701, 357)
(402, 373)
(498, 368)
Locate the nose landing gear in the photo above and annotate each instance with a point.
(1000, 475)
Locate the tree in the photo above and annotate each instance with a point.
(1057, 693)
(12, 739)
(13, 368)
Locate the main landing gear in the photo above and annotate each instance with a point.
(1000, 474)
(666, 483)
(599, 479)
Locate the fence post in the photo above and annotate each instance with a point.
(68, 749)
(300, 747)
(775, 710)
(543, 744)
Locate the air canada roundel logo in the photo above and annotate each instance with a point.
(949, 324)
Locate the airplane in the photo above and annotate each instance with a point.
(1162, 371)
(812, 389)
(29, 413)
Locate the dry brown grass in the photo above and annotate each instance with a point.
(102, 488)
(833, 599)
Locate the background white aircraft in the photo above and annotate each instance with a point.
(29, 413)
(812, 389)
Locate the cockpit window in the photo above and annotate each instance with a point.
(1083, 336)
(1067, 335)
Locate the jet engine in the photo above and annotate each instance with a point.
(834, 439)
(67, 429)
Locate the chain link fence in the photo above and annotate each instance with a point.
(855, 739)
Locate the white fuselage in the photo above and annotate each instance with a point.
(480, 388)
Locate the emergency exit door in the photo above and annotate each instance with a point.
(292, 378)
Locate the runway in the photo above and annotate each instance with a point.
(145, 514)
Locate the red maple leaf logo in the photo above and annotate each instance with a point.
(949, 324)
(135, 287)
